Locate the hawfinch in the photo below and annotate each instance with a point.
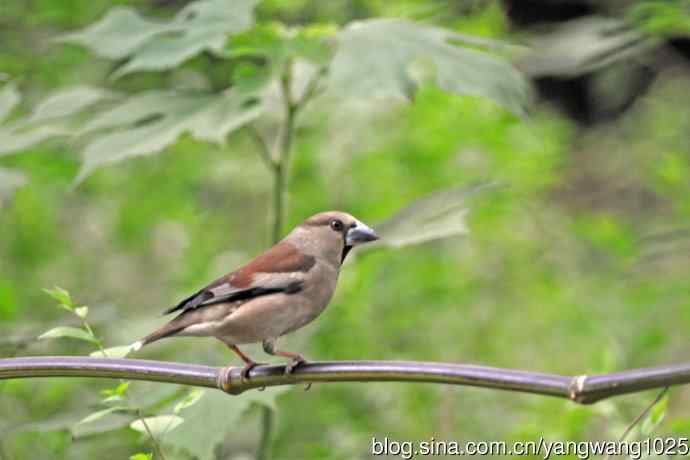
(276, 293)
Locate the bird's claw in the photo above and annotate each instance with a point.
(292, 365)
(244, 373)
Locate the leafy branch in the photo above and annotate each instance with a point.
(377, 58)
(279, 167)
(657, 408)
(116, 399)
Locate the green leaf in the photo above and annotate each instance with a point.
(158, 425)
(221, 412)
(108, 422)
(141, 456)
(68, 101)
(385, 57)
(50, 118)
(156, 119)
(122, 388)
(277, 43)
(440, 215)
(18, 136)
(61, 422)
(118, 34)
(655, 417)
(144, 106)
(203, 25)
(62, 296)
(114, 394)
(190, 399)
(64, 331)
(9, 98)
(582, 45)
(81, 312)
(100, 414)
(112, 399)
(113, 352)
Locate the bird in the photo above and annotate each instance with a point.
(276, 293)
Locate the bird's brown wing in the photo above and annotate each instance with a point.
(280, 269)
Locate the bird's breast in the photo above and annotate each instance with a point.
(317, 293)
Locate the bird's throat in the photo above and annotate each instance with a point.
(346, 251)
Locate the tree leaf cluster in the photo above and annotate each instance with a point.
(371, 59)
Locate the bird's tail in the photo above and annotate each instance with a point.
(166, 330)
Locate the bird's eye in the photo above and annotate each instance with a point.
(337, 225)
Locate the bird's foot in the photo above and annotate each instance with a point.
(244, 373)
(292, 365)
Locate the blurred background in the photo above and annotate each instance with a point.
(576, 260)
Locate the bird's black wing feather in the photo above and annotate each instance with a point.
(191, 302)
(205, 297)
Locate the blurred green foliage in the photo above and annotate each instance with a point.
(578, 264)
(663, 18)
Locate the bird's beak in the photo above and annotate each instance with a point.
(359, 234)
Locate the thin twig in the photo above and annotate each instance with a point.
(644, 413)
(310, 91)
(156, 445)
(284, 145)
(280, 163)
(640, 417)
(154, 440)
(99, 343)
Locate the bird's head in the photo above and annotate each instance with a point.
(333, 234)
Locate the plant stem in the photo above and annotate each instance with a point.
(99, 342)
(156, 445)
(284, 146)
(278, 202)
(280, 171)
(640, 417)
(279, 165)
